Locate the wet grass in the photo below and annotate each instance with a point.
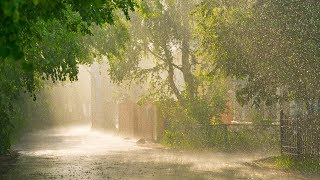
(298, 164)
(286, 163)
(242, 139)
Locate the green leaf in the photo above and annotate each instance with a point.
(35, 2)
(4, 52)
(27, 66)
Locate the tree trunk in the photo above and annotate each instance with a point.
(172, 84)
(187, 69)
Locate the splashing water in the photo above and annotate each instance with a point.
(73, 141)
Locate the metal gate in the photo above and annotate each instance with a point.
(300, 135)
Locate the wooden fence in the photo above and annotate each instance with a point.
(140, 121)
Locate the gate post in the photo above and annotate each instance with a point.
(226, 136)
(299, 136)
(281, 131)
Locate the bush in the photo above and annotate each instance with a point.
(298, 164)
(189, 125)
(223, 137)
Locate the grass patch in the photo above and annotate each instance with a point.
(226, 138)
(298, 164)
(286, 163)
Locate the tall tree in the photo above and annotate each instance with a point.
(157, 47)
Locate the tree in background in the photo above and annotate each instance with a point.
(272, 45)
(157, 47)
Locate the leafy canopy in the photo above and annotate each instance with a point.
(272, 45)
(42, 39)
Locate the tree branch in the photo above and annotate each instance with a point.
(176, 66)
(155, 54)
(172, 84)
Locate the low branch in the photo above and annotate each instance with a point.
(163, 59)
(155, 54)
(176, 66)
(213, 71)
(173, 86)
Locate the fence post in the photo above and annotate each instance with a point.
(281, 131)
(226, 138)
(299, 136)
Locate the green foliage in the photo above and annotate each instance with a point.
(157, 48)
(271, 44)
(181, 130)
(253, 137)
(305, 165)
(12, 80)
(114, 41)
(258, 118)
(148, 49)
(36, 114)
(190, 124)
(284, 162)
(246, 138)
(19, 16)
(142, 49)
(50, 51)
(43, 40)
(57, 55)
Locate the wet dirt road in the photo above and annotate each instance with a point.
(78, 153)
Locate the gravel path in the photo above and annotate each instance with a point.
(78, 153)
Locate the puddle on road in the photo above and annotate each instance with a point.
(73, 141)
